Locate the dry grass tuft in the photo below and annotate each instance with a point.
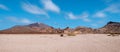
(71, 34)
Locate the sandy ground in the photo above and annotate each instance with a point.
(55, 43)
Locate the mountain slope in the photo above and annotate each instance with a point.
(39, 28)
(111, 27)
(31, 28)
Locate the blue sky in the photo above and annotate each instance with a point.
(59, 13)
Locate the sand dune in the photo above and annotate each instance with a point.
(55, 43)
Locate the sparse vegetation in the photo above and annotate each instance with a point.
(61, 35)
(71, 34)
(114, 34)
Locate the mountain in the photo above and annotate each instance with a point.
(111, 27)
(84, 30)
(31, 28)
(38, 25)
(40, 28)
(68, 30)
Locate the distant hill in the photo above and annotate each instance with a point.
(111, 27)
(34, 28)
(40, 28)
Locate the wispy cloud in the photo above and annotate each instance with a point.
(99, 14)
(19, 20)
(107, 1)
(84, 16)
(26, 20)
(112, 8)
(3, 7)
(33, 9)
(49, 5)
(72, 16)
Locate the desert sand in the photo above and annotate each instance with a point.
(55, 43)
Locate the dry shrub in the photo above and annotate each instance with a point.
(114, 34)
(71, 34)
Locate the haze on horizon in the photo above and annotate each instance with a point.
(59, 13)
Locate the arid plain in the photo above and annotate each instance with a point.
(55, 43)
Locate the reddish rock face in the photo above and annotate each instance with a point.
(31, 28)
(111, 27)
(84, 30)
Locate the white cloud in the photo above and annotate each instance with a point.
(49, 5)
(33, 9)
(84, 16)
(20, 20)
(25, 21)
(72, 16)
(113, 8)
(3, 7)
(100, 15)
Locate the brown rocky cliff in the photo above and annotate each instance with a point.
(111, 27)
